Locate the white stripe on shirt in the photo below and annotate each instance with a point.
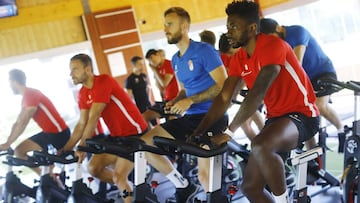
(302, 89)
(127, 115)
(50, 116)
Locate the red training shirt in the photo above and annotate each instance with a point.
(120, 115)
(291, 91)
(46, 116)
(172, 89)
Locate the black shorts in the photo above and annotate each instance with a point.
(58, 140)
(181, 127)
(307, 126)
(323, 90)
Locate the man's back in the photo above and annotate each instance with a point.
(315, 61)
(46, 116)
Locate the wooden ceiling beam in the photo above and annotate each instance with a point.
(43, 13)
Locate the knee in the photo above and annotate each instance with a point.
(248, 189)
(259, 149)
(120, 179)
(94, 170)
(20, 153)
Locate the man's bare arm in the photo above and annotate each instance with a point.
(94, 115)
(300, 52)
(220, 105)
(219, 76)
(78, 130)
(255, 96)
(21, 122)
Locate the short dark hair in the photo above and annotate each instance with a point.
(268, 25)
(181, 12)
(208, 37)
(224, 45)
(150, 52)
(247, 10)
(135, 59)
(84, 58)
(18, 76)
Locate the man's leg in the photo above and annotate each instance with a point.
(122, 169)
(161, 163)
(185, 190)
(101, 167)
(327, 112)
(280, 135)
(330, 114)
(27, 146)
(204, 163)
(253, 185)
(248, 130)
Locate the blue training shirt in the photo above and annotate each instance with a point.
(193, 71)
(315, 61)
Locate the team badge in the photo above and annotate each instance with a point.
(191, 65)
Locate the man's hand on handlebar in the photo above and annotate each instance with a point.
(4, 147)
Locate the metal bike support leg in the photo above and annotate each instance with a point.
(142, 192)
(301, 163)
(215, 194)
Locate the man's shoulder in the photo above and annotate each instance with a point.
(32, 91)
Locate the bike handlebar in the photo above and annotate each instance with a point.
(338, 85)
(66, 157)
(123, 146)
(14, 161)
(176, 146)
(9, 151)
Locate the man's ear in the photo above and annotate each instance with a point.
(253, 27)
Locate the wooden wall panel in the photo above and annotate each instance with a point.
(120, 40)
(31, 38)
(43, 24)
(116, 39)
(128, 54)
(111, 24)
(199, 10)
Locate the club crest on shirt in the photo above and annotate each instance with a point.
(175, 69)
(191, 65)
(89, 100)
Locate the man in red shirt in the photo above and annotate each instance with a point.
(37, 106)
(102, 96)
(165, 78)
(270, 69)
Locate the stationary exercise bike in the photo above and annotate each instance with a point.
(131, 148)
(79, 191)
(14, 191)
(351, 174)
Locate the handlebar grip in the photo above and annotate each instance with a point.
(9, 151)
(67, 157)
(13, 161)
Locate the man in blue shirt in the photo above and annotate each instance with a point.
(201, 75)
(316, 64)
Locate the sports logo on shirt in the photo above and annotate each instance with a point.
(246, 71)
(89, 100)
(191, 65)
(175, 69)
